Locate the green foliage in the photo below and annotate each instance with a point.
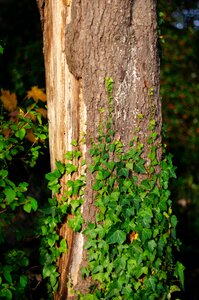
(56, 212)
(16, 202)
(180, 92)
(130, 246)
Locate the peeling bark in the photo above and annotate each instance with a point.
(84, 42)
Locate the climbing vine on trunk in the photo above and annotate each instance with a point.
(130, 244)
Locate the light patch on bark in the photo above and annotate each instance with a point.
(76, 259)
(62, 87)
(131, 82)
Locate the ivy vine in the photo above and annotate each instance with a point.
(131, 243)
(130, 246)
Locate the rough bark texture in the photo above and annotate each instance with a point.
(84, 42)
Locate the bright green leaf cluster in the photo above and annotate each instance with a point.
(130, 246)
(53, 215)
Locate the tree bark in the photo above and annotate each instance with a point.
(84, 42)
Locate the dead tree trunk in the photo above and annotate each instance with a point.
(84, 42)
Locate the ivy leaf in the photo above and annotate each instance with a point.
(74, 143)
(145, 184)
(23, 281)
(23, 187)
(33, 203)
(6, 273)
(6, 293)
(77, 154)
(174, 221)
(48, 270)
(10, 194)
(27, 207)
(139, 167)
(20, 133)
(156, 192)
(70, 168)
(75, 223)
(55, 175)
(110, 165)
(157, 263)
(129, 165)
(116, 237)
(123, 172)
(143, 270)
(69, 155)
(151, 283)
(99, 277)
(136, 248)
(111, 147)
(174, 288)
(152, 244)
(1, 49)
(163, 205)
(60, 166)
(63, 246)
(179, 272)
(115, 196)
(52, 239)
(146, 234)
(103, 174)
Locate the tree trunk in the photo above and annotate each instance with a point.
(86, 41)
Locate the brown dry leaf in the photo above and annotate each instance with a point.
(42, 111)
(36, 94)
(9, 100)
(7, 132)
(30, 136)
(30, 116)
(133, 236)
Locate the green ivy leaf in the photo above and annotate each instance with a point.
(179, 272)
(52, 238)
(33, 203)
(75, 223)
(152, 245)
(103, 174)
(10, 194)
(70, 168)
(60, 166)
(139, 166)
(74, 143)
(110, 165)
(111, 147)
(69, 155)
(151, 283)
(114, 196)
(123, 172)
(1, 49)
(20, 133)
(174, 288)
(6, 273)
(27, 207)
(50, 270)
(63, 246)
(116, 237)
(146, 234)
(52, 176)
(174, 221)
(23, 281)
(99, 277)
(6, 293)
